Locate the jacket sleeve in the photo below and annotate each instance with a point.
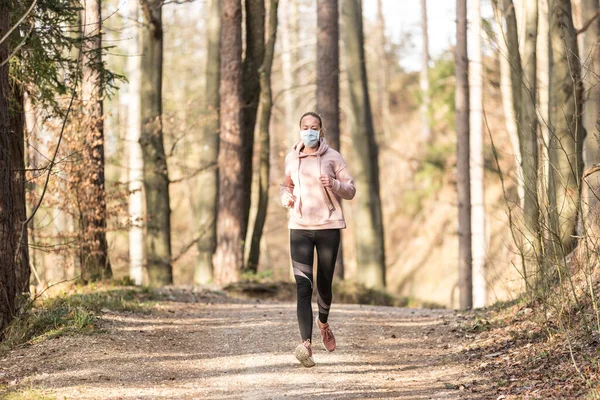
(343, 185)
(288, 185)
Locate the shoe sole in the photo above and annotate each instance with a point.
(303, 356)
(323, 343)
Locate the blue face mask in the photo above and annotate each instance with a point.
(310, 137)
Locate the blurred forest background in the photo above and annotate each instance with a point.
(131, 191)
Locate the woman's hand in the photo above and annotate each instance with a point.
(288, 200)
(326, 181)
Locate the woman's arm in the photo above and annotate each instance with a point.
(343, 184)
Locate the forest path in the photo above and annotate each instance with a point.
(244, 350)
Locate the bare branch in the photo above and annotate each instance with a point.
(196, 172)
(589, 23)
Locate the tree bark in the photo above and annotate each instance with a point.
(229, 255)
(289, 62)
(463, 180)
(95, 263)
(156, 175)
(8, 284)
(134, 151)
(264, 119)
(17, 128)
(209, 179)
(566, 129)
(478, 236)
(253, 58)
(328, 81)
(424, 77)
(367, 204)
(591, 118)
(523, 88)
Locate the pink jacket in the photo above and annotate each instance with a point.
(316, 207)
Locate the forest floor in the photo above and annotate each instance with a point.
(207, 345)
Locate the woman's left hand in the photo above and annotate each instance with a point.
(326, 181)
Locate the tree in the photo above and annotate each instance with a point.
(17, 131)
(134, 151)
(208, 179)
(94, 249)
(156, 175)
(328, 81)
(253, 58)
(264, 119)
(478, 242)
(229, 255)
(523, 89)
(424, 77)
(289, 65)
(367, 205)
(463, 180)
(591, 114)
(565, 129)
(8, 284)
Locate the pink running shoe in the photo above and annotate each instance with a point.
(327, 335)
(303, 353)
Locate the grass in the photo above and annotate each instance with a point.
(28, 394)
(71, 313)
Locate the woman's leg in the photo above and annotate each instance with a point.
(327, 242)
(302, 249)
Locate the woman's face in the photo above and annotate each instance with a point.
(310, 122)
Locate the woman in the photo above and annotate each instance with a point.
(316, 177)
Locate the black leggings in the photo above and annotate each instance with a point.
(302, 248)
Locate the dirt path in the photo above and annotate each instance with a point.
(245, 351)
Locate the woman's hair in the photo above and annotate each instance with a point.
(317, 116)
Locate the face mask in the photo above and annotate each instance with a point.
(310, 137)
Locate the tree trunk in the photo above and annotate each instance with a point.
(591, 117)
(478, 236)
(424, 77)
(289, 61)
(253, 58)
(8, 284)
(17, 128)
(566, 129)
(463, 180)
(383, 78)
(156, 176)
(370, 255)
(229, 255)
(94, 249)
(209, 179)
(543, 77)
(328, 81)
(523, 85)
(264, 119)
(134, 151)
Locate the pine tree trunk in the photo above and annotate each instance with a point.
(424, 77)
(383, 76)
(134, 151)
(156, 176)
(253, 58)
(264, 119)
(229, 255)
(17, 128)
(328, 81)
(591, 118)
(8, 284)
(523, 88)
(367, 204)
(209, 179)
(566, 129)
(478, 242)
(463, 180)
(94, 249)
(289, 63)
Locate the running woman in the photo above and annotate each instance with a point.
(316, 178)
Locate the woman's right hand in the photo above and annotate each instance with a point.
(288, 200)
